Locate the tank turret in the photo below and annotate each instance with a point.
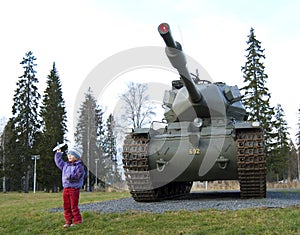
(206, 100)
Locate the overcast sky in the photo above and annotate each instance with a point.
(78, 35)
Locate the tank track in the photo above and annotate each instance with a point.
(137, 174)
(251, 162)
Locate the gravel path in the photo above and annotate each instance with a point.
(219, 200)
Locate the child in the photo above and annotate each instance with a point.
(72, 180)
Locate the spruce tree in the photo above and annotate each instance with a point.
(298, 131)
(298, 144)
(256, 95)
(292, 171)
(25, 117)
(109, 143)
(279, 155)
(54, 128)
(89, 134)
(110, 152)
(11, 163)
(282, 134)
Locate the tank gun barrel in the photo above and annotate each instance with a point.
(178, 61)
(165, 32)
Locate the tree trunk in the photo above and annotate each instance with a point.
(26, 185)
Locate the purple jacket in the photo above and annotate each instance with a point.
(72, 173)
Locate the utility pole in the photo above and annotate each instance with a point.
(34, 157)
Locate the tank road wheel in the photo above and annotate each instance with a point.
(251, 163)
(136, 169)
(176, 189)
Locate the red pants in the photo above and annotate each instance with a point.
(71, 210)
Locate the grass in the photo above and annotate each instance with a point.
(27, 214)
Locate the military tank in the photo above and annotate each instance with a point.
(206, 137)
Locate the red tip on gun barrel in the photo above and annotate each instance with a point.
(163, 28)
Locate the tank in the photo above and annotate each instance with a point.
(205, 137)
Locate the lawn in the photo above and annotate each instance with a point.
(28, 214)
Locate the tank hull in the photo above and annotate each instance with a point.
(160, 166)
(193, 157)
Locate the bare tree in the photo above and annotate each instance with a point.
(138, 110)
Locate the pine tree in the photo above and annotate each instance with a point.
(89, 133)
(54, 128)
(256, 95)
(25, 116)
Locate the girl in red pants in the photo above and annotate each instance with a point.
(72, 180)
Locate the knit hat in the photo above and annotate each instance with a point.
(75, 151)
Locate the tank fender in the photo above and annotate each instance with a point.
(246, 125)
(142, 131)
